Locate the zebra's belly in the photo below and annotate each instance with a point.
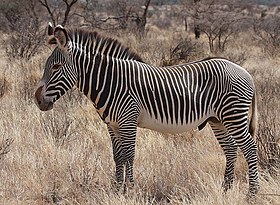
(146, 121)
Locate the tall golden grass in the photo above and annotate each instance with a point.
(64, 156)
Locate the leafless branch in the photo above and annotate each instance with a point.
(53, 16)
(51, 13)
(68, 9)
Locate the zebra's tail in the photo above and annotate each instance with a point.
(254, 117)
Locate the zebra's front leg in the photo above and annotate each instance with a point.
(118, 156)
(128, 135)
(123, 143)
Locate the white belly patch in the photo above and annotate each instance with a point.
(146, 121)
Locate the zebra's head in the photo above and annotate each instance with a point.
(59, 73)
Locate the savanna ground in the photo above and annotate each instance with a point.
(64, 156)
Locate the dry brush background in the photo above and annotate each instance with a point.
(64, 156)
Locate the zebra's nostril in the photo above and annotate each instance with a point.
(39, 102)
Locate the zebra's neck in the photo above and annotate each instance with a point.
(92, 71)
(94, 58)
(91, 42)
(100, 76)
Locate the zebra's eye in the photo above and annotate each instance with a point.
(56, 67)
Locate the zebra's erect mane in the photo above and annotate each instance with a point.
(87, 37)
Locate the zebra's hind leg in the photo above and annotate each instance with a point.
(240, 133)
(230, 149)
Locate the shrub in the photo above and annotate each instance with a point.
(4, 85)
(23, 27)
(5, 146)
(185, 50)
(267, 33)
(269, 121)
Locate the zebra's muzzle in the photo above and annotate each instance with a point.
(41, 102)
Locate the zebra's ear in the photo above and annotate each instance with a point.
(57, 35)
(61, 35)
(51, 39)
(50, 29)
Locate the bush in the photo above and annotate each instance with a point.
(4, 86)
(23, 27)
(267, 33)
(25, 42)
(185, 50)
(5, 146)
(269, 121)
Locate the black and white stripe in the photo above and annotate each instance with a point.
(128, 93)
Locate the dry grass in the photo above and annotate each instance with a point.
(64, 156)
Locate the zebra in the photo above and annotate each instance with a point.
(129, 93)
